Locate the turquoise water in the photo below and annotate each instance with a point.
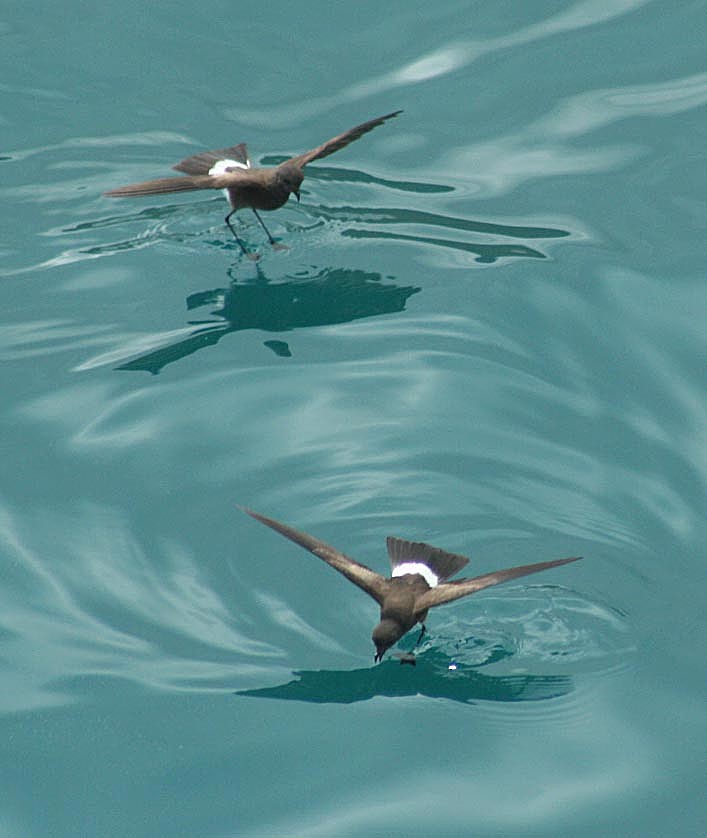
(488, 332)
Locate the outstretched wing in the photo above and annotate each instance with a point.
(368, 580)
(161, 186)
(164, 185)
(449, 591)
(335, 143)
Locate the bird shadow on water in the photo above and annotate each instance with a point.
(432, 676)
(332, 295)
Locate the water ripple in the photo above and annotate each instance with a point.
(98, 603)
(543, 148)
(450, 58)
(413, 413)
(611, 759)
(527, 643)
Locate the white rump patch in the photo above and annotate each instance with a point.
(220, 167)
(419, 568)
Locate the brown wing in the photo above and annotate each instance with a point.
(449, 591)
(335, 143)
(161, 186)
(368, 580)
(200, 163)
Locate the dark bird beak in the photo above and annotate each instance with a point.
(297, 196)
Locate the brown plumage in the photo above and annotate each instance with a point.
(406, 596)
(245, 187)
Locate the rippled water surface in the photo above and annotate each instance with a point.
(487, 332)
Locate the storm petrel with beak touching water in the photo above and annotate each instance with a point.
(229, 169)
(418, 581)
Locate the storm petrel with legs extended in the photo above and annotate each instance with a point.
(229, 169)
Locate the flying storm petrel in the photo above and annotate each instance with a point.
(418, 581)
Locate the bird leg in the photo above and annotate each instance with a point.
(253, 256)
(409, 657)
(267, 233)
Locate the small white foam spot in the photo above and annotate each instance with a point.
(417, 567)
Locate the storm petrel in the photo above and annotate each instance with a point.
(418, 581)
(229, 169)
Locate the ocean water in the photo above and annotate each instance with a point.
(487, 332)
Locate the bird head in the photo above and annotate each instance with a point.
(290, 178)
(384, 635)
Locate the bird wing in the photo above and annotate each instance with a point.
(161, 186)
(368, 580)
(449, 591)
(335, 143)
(199, 164)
